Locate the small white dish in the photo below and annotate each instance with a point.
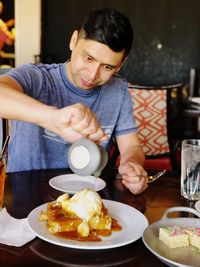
(197, 205)
(72, 183)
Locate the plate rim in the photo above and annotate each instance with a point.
(81, 178)
(197, 205)
(160, 257)
(195, 99)
(90, 245)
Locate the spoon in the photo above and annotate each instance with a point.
(151, 178)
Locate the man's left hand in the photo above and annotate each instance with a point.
(134, 177)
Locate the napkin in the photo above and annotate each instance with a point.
(14, 232)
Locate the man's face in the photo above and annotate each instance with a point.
(92, 63)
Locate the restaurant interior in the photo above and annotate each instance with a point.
(165, 55)
(163, 73)
(166, 42)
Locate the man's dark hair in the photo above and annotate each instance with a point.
(110, 27)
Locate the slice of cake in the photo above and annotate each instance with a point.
(194, 236)
(174, 237)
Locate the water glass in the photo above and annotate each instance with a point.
(2, 178)
(190, 169)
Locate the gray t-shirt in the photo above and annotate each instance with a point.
(33, 147)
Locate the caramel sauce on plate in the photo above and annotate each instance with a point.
(94, 234)
(70, 222)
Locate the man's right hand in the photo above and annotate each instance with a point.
(74, 122)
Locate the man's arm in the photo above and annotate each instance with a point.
(131, 163)
(71, 123)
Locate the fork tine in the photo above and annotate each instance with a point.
(156, 176)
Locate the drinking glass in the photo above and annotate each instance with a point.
(190, 169)
(2, 178)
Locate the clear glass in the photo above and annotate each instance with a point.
(2, 178)
(190, 169)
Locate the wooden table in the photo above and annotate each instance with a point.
(27, 190)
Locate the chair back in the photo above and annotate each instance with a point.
(150, 112)
(3, 131)
(157, 114)
(193, 85)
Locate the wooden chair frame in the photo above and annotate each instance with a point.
(4, 132)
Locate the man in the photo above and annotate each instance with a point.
(55, 105)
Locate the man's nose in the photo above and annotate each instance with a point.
(94, 71)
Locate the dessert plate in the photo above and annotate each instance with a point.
(177, 257)
(72, 183)
(133, 224)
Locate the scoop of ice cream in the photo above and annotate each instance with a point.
(85, 204)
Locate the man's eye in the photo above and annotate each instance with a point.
(107, 67)
(88, 58)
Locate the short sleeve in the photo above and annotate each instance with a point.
(126, 122)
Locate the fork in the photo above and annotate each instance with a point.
(151, 178)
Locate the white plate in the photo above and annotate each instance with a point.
(196, 100)
(197, 205)
(133, 224)
(177, 257)
(72, 183)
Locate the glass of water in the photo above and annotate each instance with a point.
(190, 169)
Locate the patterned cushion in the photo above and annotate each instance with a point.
(150, 111)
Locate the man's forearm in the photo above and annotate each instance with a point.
(19, 106)
(133, 154)
(71, 122)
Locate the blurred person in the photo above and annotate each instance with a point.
(6, 36)
(11, 22)
(53, 105)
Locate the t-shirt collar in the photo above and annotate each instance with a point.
(77, 90)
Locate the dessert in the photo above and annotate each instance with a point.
(82, 217)
(174, 237)
(194, 236)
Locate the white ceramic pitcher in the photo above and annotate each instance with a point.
(87, 158)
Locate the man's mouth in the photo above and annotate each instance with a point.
(87, 83)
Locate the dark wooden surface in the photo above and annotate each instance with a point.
(27, 190)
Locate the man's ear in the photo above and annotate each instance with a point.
(73, 40)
